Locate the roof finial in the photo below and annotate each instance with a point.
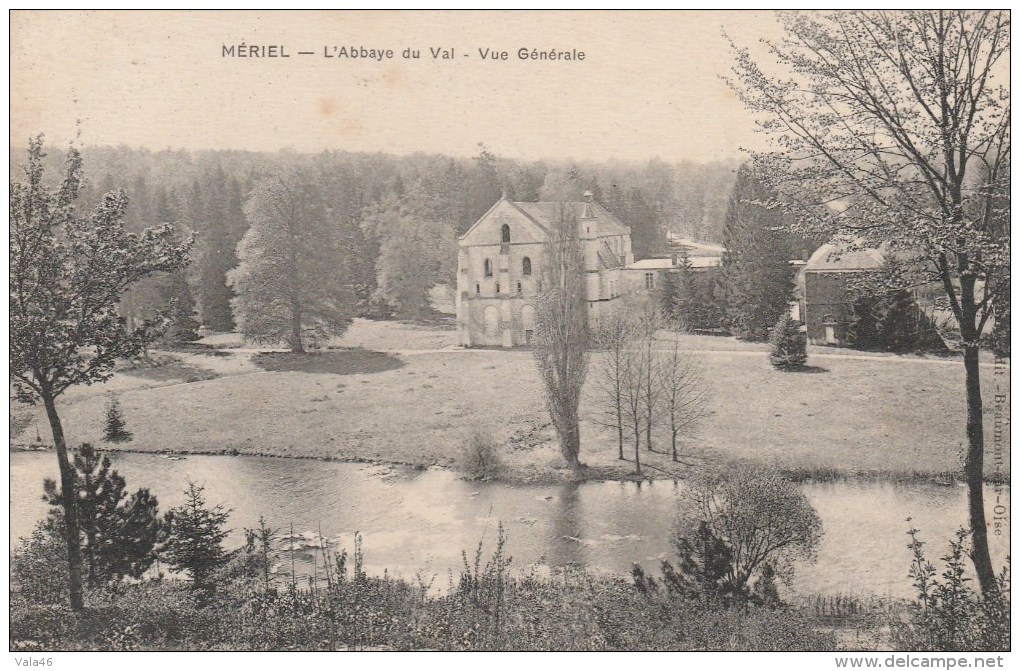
(588, 196)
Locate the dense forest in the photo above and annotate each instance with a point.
(392, 220)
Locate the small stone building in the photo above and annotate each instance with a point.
(823, 290)
(501, 258)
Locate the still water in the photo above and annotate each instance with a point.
(421, 520)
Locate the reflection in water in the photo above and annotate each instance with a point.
(414, 520)
(566, 542)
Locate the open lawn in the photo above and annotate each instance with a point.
(414, 398)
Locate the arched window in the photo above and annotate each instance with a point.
(488, 268)
(526, 265)
(505, 233)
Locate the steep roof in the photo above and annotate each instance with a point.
(547, 213)
(833, 258)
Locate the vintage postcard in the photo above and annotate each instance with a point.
(511, 331)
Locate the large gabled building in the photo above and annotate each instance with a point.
(500, 261)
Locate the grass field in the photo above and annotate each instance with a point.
(402, 393)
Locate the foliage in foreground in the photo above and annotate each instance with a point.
(488, 608)
(949, 614)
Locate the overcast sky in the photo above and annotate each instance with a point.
(648, 86)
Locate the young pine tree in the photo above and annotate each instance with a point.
(195, 542)
(788, 346)
(118, 532)
(115, 431)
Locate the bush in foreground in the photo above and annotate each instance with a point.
(489, 608)
(948, 614)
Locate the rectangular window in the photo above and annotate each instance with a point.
(649, 280)
(518, 287)
(478, 288)
(497, 287)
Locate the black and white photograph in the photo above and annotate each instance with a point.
(507, 331)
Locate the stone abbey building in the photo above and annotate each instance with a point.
(500, 261)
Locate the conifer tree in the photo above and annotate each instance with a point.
(755, 280)
(115, 431)
(195, 539)
(291, 285)
(788, 345)
(119, 532)
(183, 326)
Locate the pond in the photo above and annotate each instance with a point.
(422, 520)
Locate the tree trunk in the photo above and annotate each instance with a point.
(675, 458)
(974, 471)
(619, 426)
(571, 444)
(637, 450)
(69, 498)
(295, 331)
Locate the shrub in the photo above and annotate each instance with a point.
(788, 346)
(884, 322)
(39, 568)
(481, 460)
(741, 528)
(948, 615)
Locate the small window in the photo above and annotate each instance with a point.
(488, 268)
(497, 287)
(478, 288)
(518, 287)
(526, 266)
(505, 233)
(649, 280)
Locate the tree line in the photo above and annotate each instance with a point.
(387, 224)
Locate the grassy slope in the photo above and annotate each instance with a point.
(416, 405)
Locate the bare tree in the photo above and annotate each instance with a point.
(613, 336)
(683, 394)
(648, 321)
(892, 129)
(561, 333)
(632, 376)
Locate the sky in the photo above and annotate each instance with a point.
(649, 85)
